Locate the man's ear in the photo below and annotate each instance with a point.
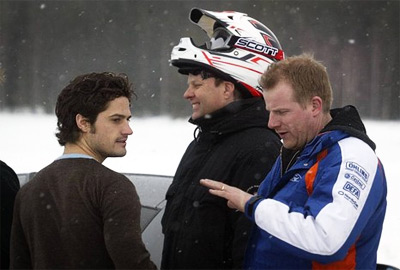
(316, 103)
(229, 88)
(82, 123)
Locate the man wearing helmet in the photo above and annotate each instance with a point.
(232, 141)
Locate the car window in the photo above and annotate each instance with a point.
(147, 215)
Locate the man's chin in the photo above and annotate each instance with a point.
(118, 154)
(195, 116)
(287, 145)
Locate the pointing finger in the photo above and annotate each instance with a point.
(212, 184)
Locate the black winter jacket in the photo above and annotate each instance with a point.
(233, 145)
(9, 186)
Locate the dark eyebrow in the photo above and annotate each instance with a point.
(120, 116)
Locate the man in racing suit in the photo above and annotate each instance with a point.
(323, 204)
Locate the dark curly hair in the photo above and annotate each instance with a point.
(88, 95)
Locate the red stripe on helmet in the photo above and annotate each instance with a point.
(251, 89)
(208, 59)
(236, 65)
(280, 55)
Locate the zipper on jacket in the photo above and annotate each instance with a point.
(281, 183)
(291, 162)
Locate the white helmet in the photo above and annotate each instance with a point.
(239, 50)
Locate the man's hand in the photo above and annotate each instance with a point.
(237, 198)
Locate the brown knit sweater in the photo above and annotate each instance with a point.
(78, 214)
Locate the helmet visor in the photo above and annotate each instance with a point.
(219, 40)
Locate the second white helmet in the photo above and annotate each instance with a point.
(239, 49)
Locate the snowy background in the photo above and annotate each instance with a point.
(28, 144)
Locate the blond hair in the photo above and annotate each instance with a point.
(307, 76)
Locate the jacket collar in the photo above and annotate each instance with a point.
(235, 116)
(348, 120)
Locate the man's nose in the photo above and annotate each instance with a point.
(127, 129)
(188, 93)
(273, 121)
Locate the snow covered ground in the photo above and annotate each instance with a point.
(27, 144)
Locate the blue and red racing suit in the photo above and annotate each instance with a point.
(327, 210)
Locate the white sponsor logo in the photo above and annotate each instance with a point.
(352, 166)
(296, 178)
(356, 181)
(255, 46)
(348, 198)
(352, 189)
